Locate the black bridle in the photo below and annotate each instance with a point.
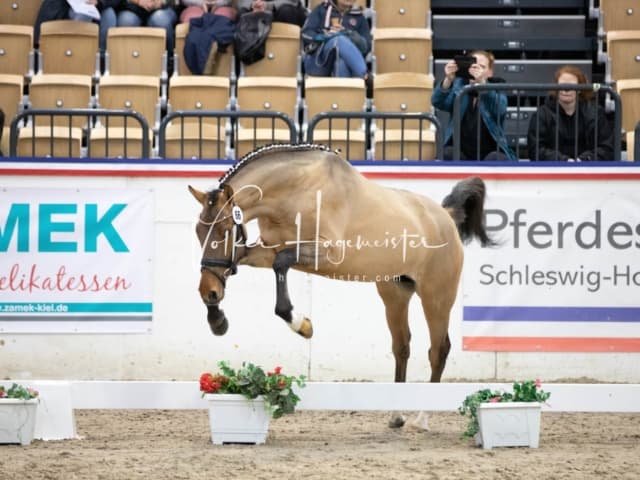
(229, 264)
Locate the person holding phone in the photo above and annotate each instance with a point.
(337, 39)
(485, 112)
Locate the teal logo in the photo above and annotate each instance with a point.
(54, 218)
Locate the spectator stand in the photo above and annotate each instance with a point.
(597, 88)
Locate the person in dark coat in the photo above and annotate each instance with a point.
(337, 39)
(584, 133)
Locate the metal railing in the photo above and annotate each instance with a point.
(91, 115)
(517, 89)
(425, 122)
(636, 143)
(230, 129)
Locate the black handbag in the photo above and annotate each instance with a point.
(251, 35)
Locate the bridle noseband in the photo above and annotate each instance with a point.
(229, 264)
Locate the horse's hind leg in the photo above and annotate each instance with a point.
(396, 297)
(437, 308)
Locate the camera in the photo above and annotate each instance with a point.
(464, 62)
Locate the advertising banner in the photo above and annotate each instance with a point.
(565, 274)
(75, 260)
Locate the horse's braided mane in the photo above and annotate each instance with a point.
(258, 153)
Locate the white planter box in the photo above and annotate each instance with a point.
(515, 424)
(235, 419)
(17, 420)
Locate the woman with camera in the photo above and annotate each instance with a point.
(484, 112)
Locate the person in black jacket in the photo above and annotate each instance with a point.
(60, 10)
(584, 132)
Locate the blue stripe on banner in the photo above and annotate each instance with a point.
(56, 307)
(551, 314)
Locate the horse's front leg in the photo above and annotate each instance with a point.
(284, 309)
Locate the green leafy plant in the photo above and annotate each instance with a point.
(528, 391)
(252, 381)
(18, 392)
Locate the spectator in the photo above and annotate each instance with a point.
(60, 10)
(150, 13)
(575, 115)
(197, 8)
(287, 11)
(108, 17)
(491, 106)
(210, 33)
(337, 39)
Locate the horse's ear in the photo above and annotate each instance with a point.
(201, 197)
(228, 191)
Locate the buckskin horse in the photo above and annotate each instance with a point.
(318, 214)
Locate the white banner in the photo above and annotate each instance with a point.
(75, 260)
(566, 274)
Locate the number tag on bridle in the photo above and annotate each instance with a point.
(236, 213)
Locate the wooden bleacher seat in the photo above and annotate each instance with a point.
(620, 14)
(11, 102)
(193, 138)
(408, 145)
(17, 56)
(333, 94)
(623, 50)
(629, 91)
(49, 141)
(140, 93)
(631, 153)
(401, 13)
(403, 93)
(60, 91)
(19, 12)
(69, 47)
(268, 94)
(401, 50)
(282, 53)
(137, 51)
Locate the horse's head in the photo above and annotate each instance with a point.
(219, 235)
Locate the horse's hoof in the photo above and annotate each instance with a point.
(397, 421)
(217, 321)
(306, 329)
(421, 422)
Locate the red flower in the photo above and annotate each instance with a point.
(278, 370)
(1, 393)
(282, 383)
(495, 399)
(538, 383)
(207, 383)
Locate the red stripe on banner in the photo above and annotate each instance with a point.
(112, 173)
(551, 344)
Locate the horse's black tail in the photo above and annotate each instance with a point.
(465, 204)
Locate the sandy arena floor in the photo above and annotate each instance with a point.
(156, 444)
